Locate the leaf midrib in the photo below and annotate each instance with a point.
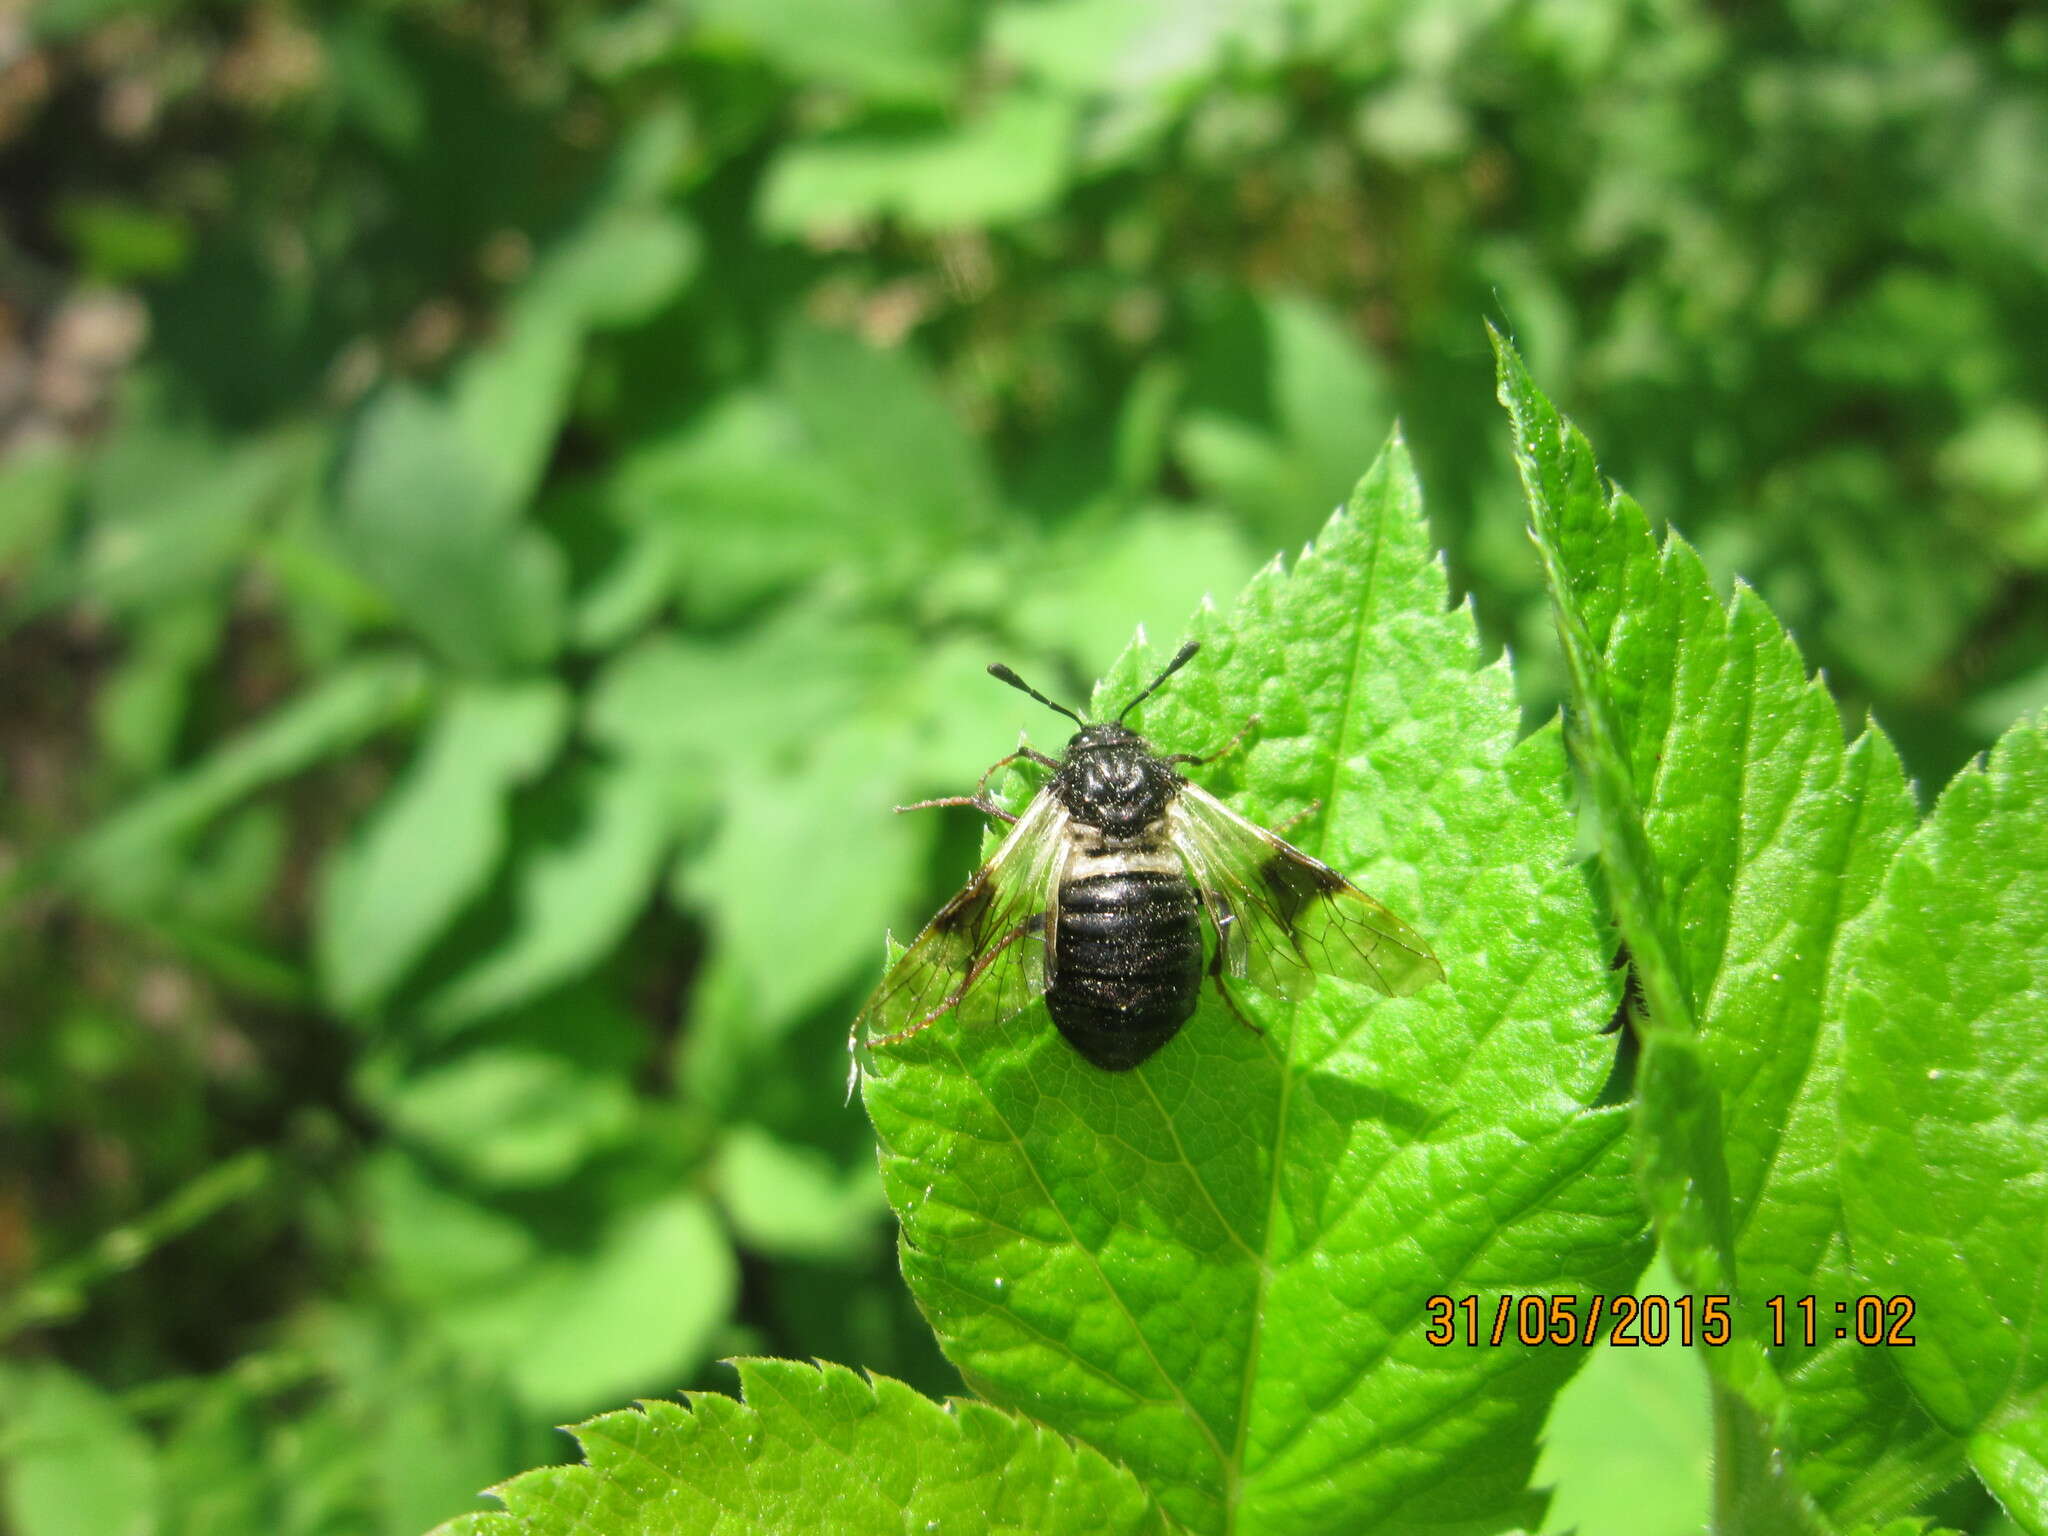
(1195, 1173)
(1233, 1466)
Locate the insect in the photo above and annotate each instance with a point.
(1095, 901)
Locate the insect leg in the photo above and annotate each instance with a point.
(981, 802)
(1225, 921)
(1034, 924)
(1025, 751)
(1298, 818)
(1216, 975)
(980, 799)
(1221, 752)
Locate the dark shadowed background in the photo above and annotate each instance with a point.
(498, 500)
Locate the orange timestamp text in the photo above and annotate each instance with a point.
(1634, 1321)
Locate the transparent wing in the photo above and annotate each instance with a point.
(1281, 917)
(986, 955)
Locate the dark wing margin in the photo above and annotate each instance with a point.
(986, 955)
(1282, 918)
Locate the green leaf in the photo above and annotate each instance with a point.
(511, 1118)
(437, 1428)
(618, 269)
(172, 508)
(1741, 842)
(1007, 164)
(1627, 1449)
(431, 843)
(1080, 595)
(119, 243)
(639, 1308)
(854, 461)
(829, 817)
(625, 1305)
(877, 418)
(1215, 1267)
(622, 595)
(74, 1463)
(794, 1201)
(754, 700)
(586, 858)
(821, 1451)
(142, 705)
(1944, 1113)
(215, 1479)
(433, 525)
(507, 399)
(912, 51)
(132, 854)
(1277, 439)
(36, 485)
(1151, 48)
(742, 504)
(59, 1291)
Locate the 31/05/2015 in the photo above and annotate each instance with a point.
(1628, 1321)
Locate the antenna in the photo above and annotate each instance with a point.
(1180, 659)
(997, 669)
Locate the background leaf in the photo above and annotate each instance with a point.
(1626, 1445)
(1006, 164)
(589, 850)
(126, 859)
(623, 1300)
(434, 839)
(77, 1465)
(436, 529)
(1942, 1110)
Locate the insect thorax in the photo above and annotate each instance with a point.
(1111, 780)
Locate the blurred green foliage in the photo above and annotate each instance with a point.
(497, 500)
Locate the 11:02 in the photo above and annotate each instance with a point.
(1877, 1320)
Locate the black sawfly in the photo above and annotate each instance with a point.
(1095, 899)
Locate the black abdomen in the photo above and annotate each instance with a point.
(1127, 966)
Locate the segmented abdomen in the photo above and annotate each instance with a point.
(1127, 964)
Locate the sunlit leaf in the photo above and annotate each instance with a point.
(1007, 164)
(854, 462)
(912, 52)
(586, 856)
(71, 1461)
(575, 1313)
(796, 940)
(1278, 439)
(432, 842)
(789, 1200)
(131, 854)
(431, 525)
(819, 1450)
(1944, 1115)
(617, 269)
(1742, 841)
(1627, 1450)
(511, 1117)
(1215, 1267)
